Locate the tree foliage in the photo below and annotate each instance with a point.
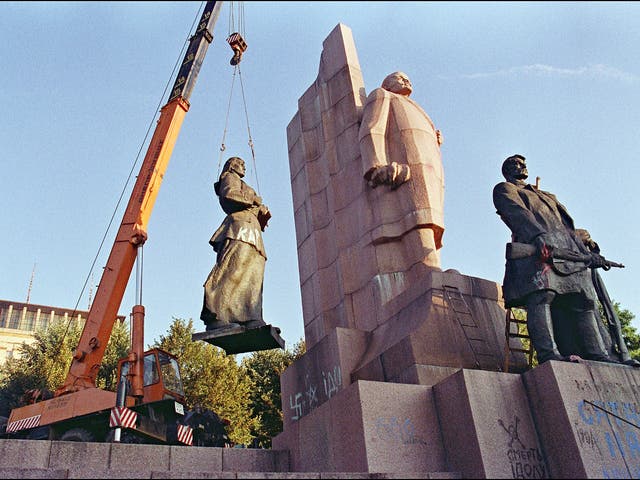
(265, 368)
(629, 333)
(212, 380)
(44, 364)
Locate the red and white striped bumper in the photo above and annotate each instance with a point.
(185, 434)
(23, 424)
(123, 417)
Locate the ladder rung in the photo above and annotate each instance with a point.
(518, 335)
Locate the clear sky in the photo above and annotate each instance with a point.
(556, 82)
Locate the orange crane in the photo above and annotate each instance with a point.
(153, 404)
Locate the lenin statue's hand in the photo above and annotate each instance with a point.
(393, 175)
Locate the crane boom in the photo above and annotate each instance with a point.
(132, 232)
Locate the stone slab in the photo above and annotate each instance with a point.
(194, 475)
(194, 459)
(88, 454)
(447, 319)
(237, 339)
(368, 427)
(320, 373)
(254, 460)
(141, 458)
(284, 475)
(80, 472)
(428, 375)
(487, 426)
(588, 418)
(25, 453)
(16, 472)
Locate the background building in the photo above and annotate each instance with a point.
(19, 321)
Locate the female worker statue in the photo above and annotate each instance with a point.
(233, 289)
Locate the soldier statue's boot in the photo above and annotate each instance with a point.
(592, 342)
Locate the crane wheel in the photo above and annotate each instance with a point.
(78, 435)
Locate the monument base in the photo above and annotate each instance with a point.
(238, 339)
(558, 420)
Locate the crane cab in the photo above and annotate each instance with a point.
(161, 376)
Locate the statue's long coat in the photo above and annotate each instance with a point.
(233, 289)
(394, 128)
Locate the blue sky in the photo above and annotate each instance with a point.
(557, 82)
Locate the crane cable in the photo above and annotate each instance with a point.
(236, 70)
(250, 141)
(232, 19)
(223, 146)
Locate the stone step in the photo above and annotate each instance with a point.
(58, 473)
(55, 459)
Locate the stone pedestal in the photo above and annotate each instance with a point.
(368, 427)
(487, 426)
(445, 320)
(588, 418)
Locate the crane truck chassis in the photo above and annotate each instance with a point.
(149, 406)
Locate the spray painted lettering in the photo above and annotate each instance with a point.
(396, 430)
(525, 462)
(614, 425)
(303, 402)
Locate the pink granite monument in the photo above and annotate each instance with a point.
(368, 202)
(403, 369)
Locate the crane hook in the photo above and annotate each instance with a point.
(238, 45)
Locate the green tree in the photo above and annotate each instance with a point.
(212, 379)
(629, 332)
(44, 364)
(264, 368)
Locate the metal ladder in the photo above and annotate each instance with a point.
(482, 354)
(510, 320)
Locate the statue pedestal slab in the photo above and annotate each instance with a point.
(588, 418)
(558, 420)
(446, 320)
(238, 339)
(367, 427)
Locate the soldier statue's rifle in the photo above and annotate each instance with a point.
(517, 250)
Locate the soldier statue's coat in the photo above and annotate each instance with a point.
(529, 212)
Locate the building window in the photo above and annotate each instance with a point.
(42, 321)
(29, 321)
(4, 321)
(14, 321)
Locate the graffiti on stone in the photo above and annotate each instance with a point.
(512, 430)
(525, 462)
(301, 403)
(312, 397)
(613, 427)
(296, 405)
(397, 430)
(332, 381)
